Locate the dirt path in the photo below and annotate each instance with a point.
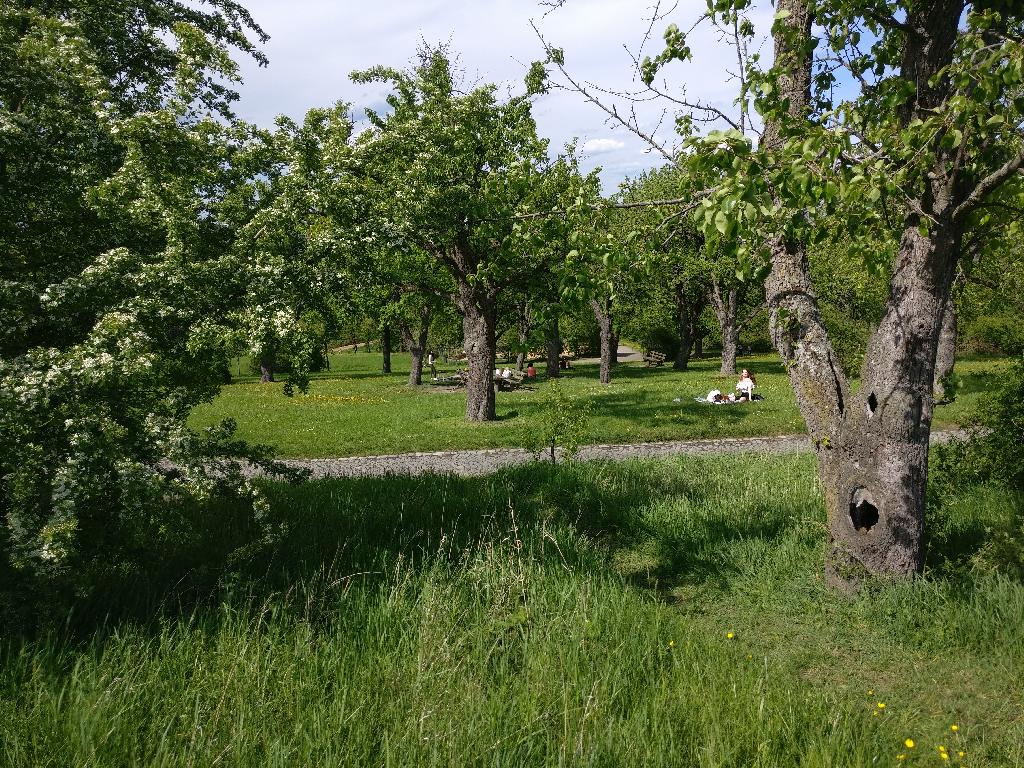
(483, 462)
(625, 355)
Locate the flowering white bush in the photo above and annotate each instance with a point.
(118, 288)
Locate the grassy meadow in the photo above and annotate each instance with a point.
(355, 410)
(647, 613)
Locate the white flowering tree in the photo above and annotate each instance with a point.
(299, 228)
(117, 280)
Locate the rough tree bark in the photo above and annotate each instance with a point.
(385, 348)
(478, 330)
(726, 304)
(417, 344)
(609, 339)
(872, 447)
(946, 356)
(554, 349)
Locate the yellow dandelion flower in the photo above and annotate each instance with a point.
(871, 693)
(671, 643)
(942, 747)
(875, 713)
(944, 755)
(954, 727)
(881, 705)
(961, 753)
(729, 635)
(908, 743)
(901, 756)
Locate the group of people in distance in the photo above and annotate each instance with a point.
(744, 391)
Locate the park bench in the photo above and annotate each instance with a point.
(654, 359)
(514, 381)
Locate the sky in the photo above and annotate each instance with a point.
(315, 44)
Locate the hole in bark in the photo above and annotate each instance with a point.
(863, 512)
(872, 404)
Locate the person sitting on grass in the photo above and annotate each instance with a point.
(746, 385)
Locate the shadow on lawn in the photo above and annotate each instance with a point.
(365, 530)
(660, 527)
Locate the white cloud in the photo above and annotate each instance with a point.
(315, 44)
(601, 146)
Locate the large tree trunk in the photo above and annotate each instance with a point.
(417, 344)
(385, 348)
(698, 344)
(946, 356)
(872, 446)
(554, 349)
(879, 472)
(609, 339)
(478, 331)
(687, 312)
(726, 305)
(268, 361)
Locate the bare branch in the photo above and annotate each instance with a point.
(989, 184)
(611, 111)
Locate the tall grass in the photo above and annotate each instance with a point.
(647, 613)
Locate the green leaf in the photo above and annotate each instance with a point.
(722, 222)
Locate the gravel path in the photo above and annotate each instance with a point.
(472, 463)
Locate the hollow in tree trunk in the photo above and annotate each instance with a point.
(946, 356)
(609, 339)
(725, 303)
(554, 349)
(385, 348)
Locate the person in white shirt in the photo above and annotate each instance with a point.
(746, 384)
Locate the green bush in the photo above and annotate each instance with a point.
(964, 472)
(998, 334)
(991, 454)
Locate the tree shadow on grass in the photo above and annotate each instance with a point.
(584, 517)
(658, 525)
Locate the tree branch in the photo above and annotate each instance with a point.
(990, 183)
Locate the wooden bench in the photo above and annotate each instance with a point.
(654, 359)
(514, 381)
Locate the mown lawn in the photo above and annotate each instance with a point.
(355, 410)
(655, 613)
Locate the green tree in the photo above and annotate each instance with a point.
(935, 129)
(898, 117)
(116, 280)
(298, 232)
(459, 176)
